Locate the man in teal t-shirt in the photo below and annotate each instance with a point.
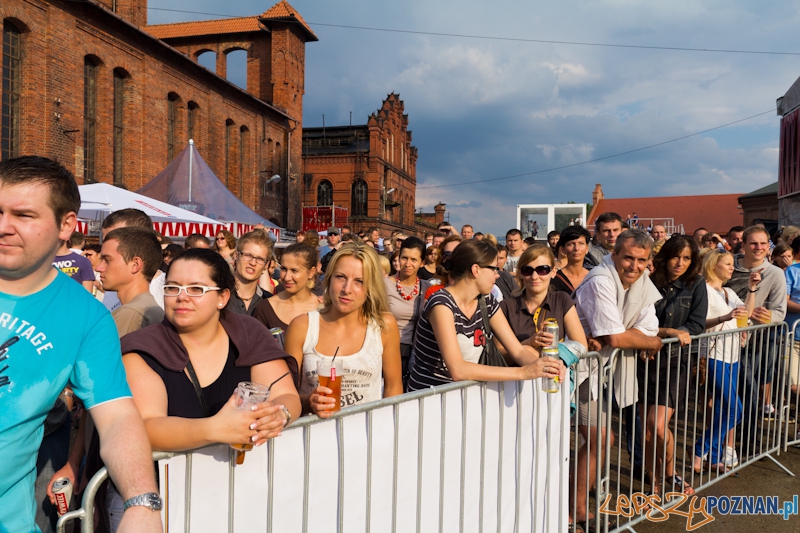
(52, 331)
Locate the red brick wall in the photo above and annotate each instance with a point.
(57, 38)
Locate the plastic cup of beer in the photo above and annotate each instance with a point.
(330, 373)
(741, 321)
(248, 394)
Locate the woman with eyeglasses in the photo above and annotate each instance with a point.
(249, 261)
(536, 302)
(428, 270)
(574, 244)
(356, 327)
(225, 245)
(298, 276)
(182, 371)
(451, 332)
(406, 290)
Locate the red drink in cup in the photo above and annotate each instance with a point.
(329, 374)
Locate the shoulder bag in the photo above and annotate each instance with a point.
(491, 355)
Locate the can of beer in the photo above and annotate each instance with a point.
(62, 489)
(551, 327)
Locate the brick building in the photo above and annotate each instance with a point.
(370, 169)
(90, 84)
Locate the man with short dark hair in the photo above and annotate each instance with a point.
(428, 238)
(616, 306)
(127, 218)
(607, 227)
(552, 240)
(253, 253)
(129, 259)
(438, 238)
(196, 240)
(346, 229)
(76, 242)
(374, 236)
(39, 200)
(514, 246)
(505, 281)
(478, 236)
(467, 232)
(733, 239)
(698, 236)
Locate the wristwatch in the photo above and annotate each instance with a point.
(288, 416)
(149, 499)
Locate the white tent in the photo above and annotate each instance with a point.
(100, 199)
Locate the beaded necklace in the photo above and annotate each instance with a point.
(400, 289)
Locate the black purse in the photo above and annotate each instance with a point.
(491, 355)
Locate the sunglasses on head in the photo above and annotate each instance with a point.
(541, 270)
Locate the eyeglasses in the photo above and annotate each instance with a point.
(447, 254)
(492, 267)
(541, 270)
(249, 258)
(195, 291)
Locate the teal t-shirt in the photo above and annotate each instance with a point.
(60, 334)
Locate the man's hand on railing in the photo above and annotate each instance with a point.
(761, 315)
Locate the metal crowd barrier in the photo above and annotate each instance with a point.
(706, 415)
(468, 457)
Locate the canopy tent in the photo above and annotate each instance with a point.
(188, 182)
(98, 200)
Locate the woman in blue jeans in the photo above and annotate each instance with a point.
(716, 446)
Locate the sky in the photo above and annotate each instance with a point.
(482, 109)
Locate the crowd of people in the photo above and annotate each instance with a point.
(157, 335)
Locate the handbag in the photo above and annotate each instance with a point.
(491, 355)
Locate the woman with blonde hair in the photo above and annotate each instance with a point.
(225, 245)
(715, 447)
(298, 275)
(356, 327)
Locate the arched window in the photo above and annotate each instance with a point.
(12, 90)
(192, 117)
(89, 118)
(324, 193)
(243, 141)
(358, 203)
(229, 125)
(172, 125)
(119, 125)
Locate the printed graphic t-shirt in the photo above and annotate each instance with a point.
(75, 266)
(429, 368)
(40, 351)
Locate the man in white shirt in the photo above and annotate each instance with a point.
(616, 307)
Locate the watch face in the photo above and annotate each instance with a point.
(155, 501)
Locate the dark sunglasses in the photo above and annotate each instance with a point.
(493, 267)
(447, 254)
(541, 270)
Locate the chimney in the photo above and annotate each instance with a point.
(597, 194)
(439, 210)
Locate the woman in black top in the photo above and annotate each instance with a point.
(574, 241)
(221, 349)
(681, 313)
(428, 270)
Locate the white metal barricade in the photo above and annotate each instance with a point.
(467, 457)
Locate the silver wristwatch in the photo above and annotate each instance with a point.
(149, 499)
(288, 416)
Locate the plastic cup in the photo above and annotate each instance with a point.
(741, 321)
(330, 373)
(248, 394)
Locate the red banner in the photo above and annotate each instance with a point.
(320, 218)
(184, 229)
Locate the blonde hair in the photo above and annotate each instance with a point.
(491, 238)
(789, 234)
(377, 303)
(385, 264)
(531, 253)
(710, 261)
(258, 237)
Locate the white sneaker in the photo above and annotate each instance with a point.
(769, 410)
(731, 459)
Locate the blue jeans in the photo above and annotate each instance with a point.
(53, 454)
(724, 378)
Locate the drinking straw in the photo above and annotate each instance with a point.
(277, 380)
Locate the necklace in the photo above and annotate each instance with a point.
(400, 289)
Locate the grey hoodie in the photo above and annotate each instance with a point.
(771, 290)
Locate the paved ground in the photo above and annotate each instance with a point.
(761, 478)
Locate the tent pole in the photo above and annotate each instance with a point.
(191, 147)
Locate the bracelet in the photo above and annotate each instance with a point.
(754, 290)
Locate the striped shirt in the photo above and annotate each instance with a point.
(429, 369)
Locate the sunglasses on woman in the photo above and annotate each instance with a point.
(541, 270)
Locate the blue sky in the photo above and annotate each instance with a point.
(482, 109)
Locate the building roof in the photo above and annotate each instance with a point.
(715, 212)
(771, 189)
(280, 12)
(283, 12)
(335, 140)
(204, 27)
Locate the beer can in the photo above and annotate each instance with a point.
(62, 489)
(551, 327)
